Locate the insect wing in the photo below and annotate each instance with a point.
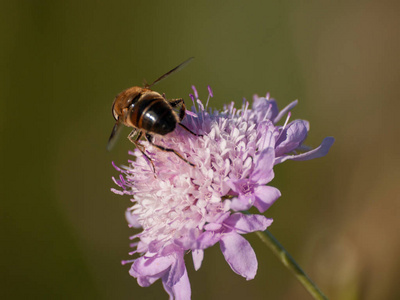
(176, 69)
(114, 135)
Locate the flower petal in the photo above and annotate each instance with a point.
(147, 270)
(243, 202)
(265, 197)
(247, 223)
(320, 151)
(148, 280)
(292, 137)
(266, 135)
(177, 270)
(265, 108)
(237, 184)
(285, 110)
(207, 239)
(144, 266)
(239, 255)
(263, 172)
(197, 256)
(132, 219)
(180, 290)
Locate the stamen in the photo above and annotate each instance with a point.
(231, 108)
(195, 92)
(200, 104)
(287, 119)
(210, 94)
(135, 236)
(241, 110)
(124, 262)
(118, 192)
(245, 106)
(194, 102)
(267, 113)
(122, 179)
(116, 167)
(284, 125)
(117, 182)
(190, 113)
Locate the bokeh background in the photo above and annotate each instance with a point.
(63, 233)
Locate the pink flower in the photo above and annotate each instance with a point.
(182, 208)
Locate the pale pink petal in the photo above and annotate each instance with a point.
(235, 184)
(247, 223)
(265, 197)
(197, 256)
(243, 202)
(292, 137)
(266, 135)
(285, 111)
(265, 108)
(207, 239)
(149, 280)
(148, 270)
(177, 270)
(144, 266)
(264, 163)
(132, 219)
(320, 151)
(180, 290)
(212, 226)
(239, 255)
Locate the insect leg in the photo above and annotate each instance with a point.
(187, 129)
(174, 103)
(150, 139)
(140, 146)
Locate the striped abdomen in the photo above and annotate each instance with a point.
(153, 114)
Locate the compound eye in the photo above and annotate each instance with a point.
(134, 100)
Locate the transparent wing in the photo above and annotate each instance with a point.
(114, 135)
(176, 69)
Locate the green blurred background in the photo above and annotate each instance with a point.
(63, 233)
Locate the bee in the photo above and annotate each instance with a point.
(148, 113)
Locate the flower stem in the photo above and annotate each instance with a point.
(290, 263)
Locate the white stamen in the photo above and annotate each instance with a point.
(284, 125)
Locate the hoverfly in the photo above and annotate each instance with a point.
(148, 113)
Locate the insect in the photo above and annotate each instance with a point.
(148, 113)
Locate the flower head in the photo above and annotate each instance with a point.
(181, 208)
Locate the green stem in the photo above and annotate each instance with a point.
(290, 263)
